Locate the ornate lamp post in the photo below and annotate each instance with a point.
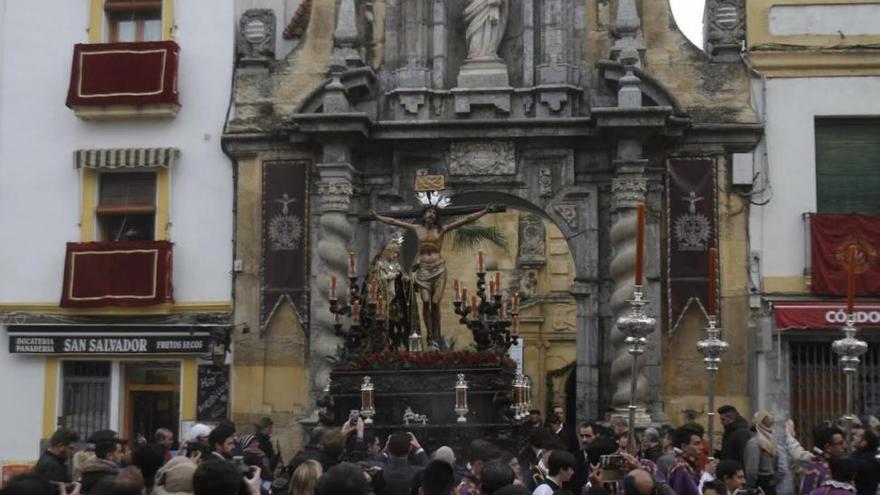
(712, 347)
(461, 405)
(849, 348)
(637, 325)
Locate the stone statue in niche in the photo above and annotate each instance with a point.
(486, 20)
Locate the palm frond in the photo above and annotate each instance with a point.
(468, 237)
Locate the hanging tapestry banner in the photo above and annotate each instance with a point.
(692, 229)
(831, 237)
(285, 239)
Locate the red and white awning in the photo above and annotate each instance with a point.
(823, 314)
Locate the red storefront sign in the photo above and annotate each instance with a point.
(823, 314)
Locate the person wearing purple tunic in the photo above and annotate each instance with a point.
(843, 475)
(684, 476)
(830, 440)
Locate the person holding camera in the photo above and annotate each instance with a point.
(398, 473)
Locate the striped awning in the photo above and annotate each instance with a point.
(125, 158)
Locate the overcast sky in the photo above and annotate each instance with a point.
(689, 17)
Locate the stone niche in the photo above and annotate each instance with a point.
(538, 73)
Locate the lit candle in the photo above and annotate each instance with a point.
(356, 312)
(515, 303)
(491, 288)
(380, 308)
(480, 266)
(640, 242)
(474, 312)
(373, 286)
(456, 294)
(464, 298)
(851, 280)
(351, 270)
(713, 280)
(515, 328)
(333, 287)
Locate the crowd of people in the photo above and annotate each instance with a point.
(592, 459)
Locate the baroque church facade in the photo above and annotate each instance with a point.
(568, 112)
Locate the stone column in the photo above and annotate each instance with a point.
(587, 350)
(335, 231)
(629, 188)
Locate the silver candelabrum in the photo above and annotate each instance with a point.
(849, 348)
(712, 348)
(636, 326)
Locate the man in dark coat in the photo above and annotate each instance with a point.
(398, 473)
(736, 434)
(108, 454)
(52, 465)
(865, 441)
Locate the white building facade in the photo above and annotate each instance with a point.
(813, 186)
(117, 209)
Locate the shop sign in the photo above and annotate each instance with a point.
(142, 344)
(820, 314)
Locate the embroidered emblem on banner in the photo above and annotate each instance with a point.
(866, 253)
(692, 229)
(285, 229)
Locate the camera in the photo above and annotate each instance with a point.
(243, 468)
(353, 417)
(613, 467)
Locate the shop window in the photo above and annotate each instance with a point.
(126, 208)
(848, 165)
(134, 20)
(85, 396)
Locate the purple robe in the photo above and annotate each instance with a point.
(815, 474)
(834, 488)
(684, 478)
(469, 485)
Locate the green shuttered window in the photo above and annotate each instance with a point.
(848, 165)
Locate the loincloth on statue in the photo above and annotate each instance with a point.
(431, 275)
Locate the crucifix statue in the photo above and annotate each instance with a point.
(430, 275)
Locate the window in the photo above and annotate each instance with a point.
(134, 20)
(86, 396)
(126, 208)
(848, 165)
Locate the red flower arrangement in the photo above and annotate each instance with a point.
(432, 360)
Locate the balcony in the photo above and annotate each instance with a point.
(126, 274)
(124, 80)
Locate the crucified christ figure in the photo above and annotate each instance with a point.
(430, 277)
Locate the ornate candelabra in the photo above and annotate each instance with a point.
(519, 408)
(461, 405)
(366, 311)
(637, 325)
(486, 315)
(367, 408)
(712, 349)
(849, 348)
